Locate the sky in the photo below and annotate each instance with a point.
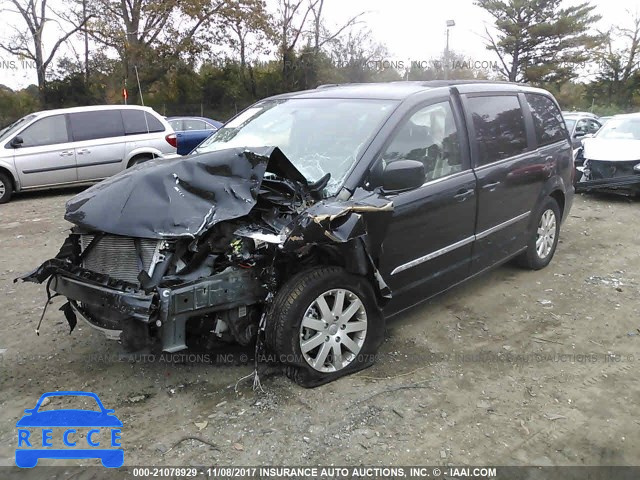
(412, 30)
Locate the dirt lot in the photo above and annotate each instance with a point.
(513, 368)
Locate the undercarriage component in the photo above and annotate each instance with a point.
(224, 291)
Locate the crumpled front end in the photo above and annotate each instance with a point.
(189, 252)
(609, 176)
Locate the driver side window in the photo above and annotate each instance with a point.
(428, 136)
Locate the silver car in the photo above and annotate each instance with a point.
(79, 145)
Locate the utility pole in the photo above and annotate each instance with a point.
(86, 42)
(450, 23)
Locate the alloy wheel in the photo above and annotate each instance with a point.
(546, 234)
(333, 330)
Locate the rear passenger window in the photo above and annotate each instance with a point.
(176, 125)
(139, 121)
(547, 119)
(194, 125)
(499, 125)
(47, 131)
(97, 124)
(429, 136)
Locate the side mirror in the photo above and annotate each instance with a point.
(16, 142)
(579, 133)
(402, 175)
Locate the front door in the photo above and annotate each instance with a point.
(428, 244)
(46, 155)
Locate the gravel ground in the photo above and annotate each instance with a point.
(512, 368)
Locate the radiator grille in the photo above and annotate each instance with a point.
(117, 256)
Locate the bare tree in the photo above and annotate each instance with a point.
(29, 43)
(252, 33)
(321, 34)
(292, 19)
(618, 60)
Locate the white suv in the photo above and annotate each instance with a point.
(79, 145)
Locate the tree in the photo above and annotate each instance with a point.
(357, 57)
(252, 33)
(618, 76)
(540, 40)
(291, 21)
(29, 43)
(143, 29)
(299, 19)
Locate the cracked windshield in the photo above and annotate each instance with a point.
(319, 136)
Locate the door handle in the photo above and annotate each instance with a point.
(66, 153)
(83, 151)
(490, 186)
(462, 195)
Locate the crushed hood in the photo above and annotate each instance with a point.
(611, 150)
(183, 197)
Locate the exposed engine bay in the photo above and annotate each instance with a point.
(189, 251)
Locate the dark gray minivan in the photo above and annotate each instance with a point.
(310, 217)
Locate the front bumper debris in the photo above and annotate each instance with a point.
(164, 309)
(629, 184)
(609, 176)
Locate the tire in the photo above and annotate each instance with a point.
(6, 188)
(543, 238)
(333, 350)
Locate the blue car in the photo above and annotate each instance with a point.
(28, 451)
(191, 131)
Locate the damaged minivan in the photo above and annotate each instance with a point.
(311, 217)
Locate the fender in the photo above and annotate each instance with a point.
(142, 150)
(555, 183)
(8, 164)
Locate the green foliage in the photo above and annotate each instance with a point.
(541, 41)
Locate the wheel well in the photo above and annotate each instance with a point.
(10, 175)
(558, 196)
(139, 156)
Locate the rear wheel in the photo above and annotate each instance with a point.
(6, 188)
(544, 238)
(324, 324)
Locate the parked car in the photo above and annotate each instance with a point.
(583, 114)
(580, 125)
(79, 145)
(191, 131)
(611, 159)
(313, 216)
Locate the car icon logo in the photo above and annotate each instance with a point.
(83, 433)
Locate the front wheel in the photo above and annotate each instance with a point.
(6, 188)
(324, 323)
(544, 238)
